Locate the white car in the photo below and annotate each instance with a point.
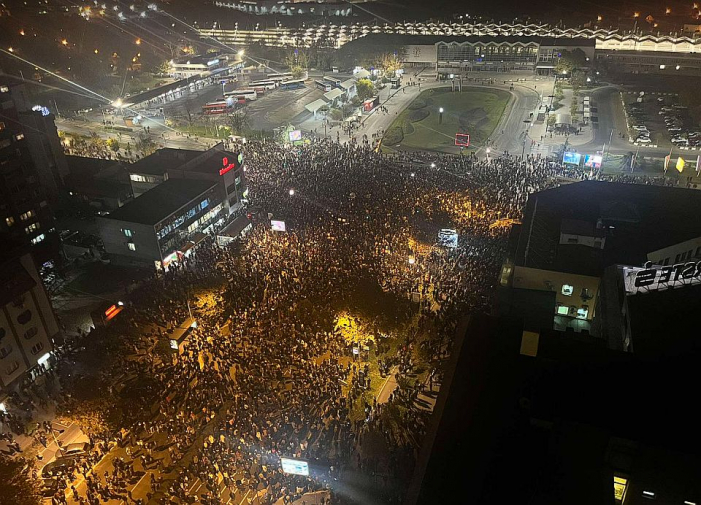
(643, 140)
(640, 128)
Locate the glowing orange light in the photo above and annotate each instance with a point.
(64, 42)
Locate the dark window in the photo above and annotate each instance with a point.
(12, 368)
(36, 348)
(698, 251)
(5, 351)
(2, 333)
(676, 259)
(31, 332)
(24, 317)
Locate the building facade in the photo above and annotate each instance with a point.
(29, 172)
(27, 321)
(182, 196)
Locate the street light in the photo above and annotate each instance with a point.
(440, 115)
(433, 165)
(292, 192)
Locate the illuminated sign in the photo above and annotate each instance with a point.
(226, 166)
(40, 108)
(295, 135)
(278, 225)
(592, 161)
(462, 139)
(571, 158)
(448, 238)
(112, 311)
(658, 278)
(294, 466)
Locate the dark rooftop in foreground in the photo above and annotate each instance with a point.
(166, 159)
(161, 201)
(637, 219)
(159, 162)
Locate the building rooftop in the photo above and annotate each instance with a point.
(636, 219)
(159, 162)
(161, 201)
(409, 39)
(163, 160)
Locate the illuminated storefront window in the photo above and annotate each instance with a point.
(620, 486)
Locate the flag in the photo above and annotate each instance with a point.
(680, 164)
(666, 163)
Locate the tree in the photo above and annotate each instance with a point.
(145, 144)
(390, 62)
(570, 61)
(113, 145)
(17, 482)
(162, 68)
(365, 89)
(239, 121)
(298, 62)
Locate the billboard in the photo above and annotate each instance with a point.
(448, 237)
(295, 135)
(294, 466)
(571, 158)
(462, 139)
(277, 225)
(592, 161)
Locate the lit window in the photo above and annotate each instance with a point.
(32, 227)
(563, 310)
(128, 233)
(38, 238)
(10, 220)
(567, 290)
(620, 486)
(19, 136)
(2, 126)
(27, 215)
(131, 246)
(583, 313)
(4, 89)
(649, 495)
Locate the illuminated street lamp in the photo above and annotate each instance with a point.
(440, 115)
(292, 192)
(433, 165)
(64, 42)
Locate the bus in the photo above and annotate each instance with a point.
(296, 84)
(279, 77)
(323, 86)
(218, 107)
(246, 94)
(263, 84)
(396, 82)
(336, 83)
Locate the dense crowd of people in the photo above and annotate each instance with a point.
(267, 372)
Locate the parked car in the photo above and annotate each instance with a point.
(643, 140)
(640, 128)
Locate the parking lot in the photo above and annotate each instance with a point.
(659, 120)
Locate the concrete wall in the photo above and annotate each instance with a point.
(420, 54)
(116, 242)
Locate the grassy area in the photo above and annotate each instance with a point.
(476, 111)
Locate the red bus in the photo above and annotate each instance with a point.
(220, 107)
